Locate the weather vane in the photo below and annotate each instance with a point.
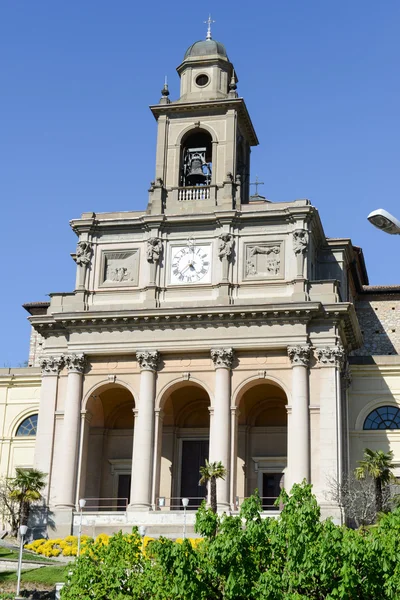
(208, 23)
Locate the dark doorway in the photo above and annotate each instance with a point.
(271, 490)
(124, 491)
(194, 455)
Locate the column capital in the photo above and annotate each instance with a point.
(331, 356)
(148, 359)
(222, 357)
(51, 365)
(75, 363)
(299, 355)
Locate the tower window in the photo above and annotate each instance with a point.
(202, 80)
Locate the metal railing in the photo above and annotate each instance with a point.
(201, 192)
(175, 503)
(267, 503)
(99, 504)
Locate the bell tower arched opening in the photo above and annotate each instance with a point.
(196, 159)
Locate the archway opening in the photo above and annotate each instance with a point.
(196, 159)
(185, 445)
(106, 479)
(262, 442)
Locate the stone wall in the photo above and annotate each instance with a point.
(35, 348)
(379, 317)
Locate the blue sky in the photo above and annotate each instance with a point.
(320, 79)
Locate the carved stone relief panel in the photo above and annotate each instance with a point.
(263, 260)
(119, 268)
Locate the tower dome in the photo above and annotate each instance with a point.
(205, 48)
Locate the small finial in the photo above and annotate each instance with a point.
(233, 86)
(208, 23)
(165, 93)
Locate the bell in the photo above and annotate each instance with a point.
(196, 166)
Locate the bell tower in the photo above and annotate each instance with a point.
(204, 138)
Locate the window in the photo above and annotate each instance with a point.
(28, 426)
(384, 417)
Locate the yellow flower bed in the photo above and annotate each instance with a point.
(69, 545)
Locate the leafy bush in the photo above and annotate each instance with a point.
(242, 557)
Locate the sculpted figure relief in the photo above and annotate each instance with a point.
(300, 241)
(83, 253)
(154, 249)
(225, 245)
(272, 265)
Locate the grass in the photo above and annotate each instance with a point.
(9, 553)
(44, 576)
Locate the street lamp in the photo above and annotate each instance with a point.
(142, 532)
(82, 504)
(22, 532)
(185, 502)
(382, 219)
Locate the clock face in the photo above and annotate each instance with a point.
(190, 264)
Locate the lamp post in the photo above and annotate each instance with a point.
(185, 502)
(142, 532)
(82, 504)
(383, 220)
(22, 532)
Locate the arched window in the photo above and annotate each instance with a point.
(28, 426)
(196, 159)
(384, 417)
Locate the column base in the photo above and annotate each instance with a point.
(139, 507)
(62, 518)
(334, 511)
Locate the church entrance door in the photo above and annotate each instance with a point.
(194, 455)
(124, 491)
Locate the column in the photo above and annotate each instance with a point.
(158, 432)
(330, 360)
(220, 434)
(86, 417)
(44, 447)
(71, 430)
(233, 460)
(142, 459)
(299, 419)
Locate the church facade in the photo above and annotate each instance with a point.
(211, 325)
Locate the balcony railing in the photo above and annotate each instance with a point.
(198, 192)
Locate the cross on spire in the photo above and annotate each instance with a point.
(257, 182)
(208, 23)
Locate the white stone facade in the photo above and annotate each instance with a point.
(207, 326)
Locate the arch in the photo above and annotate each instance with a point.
(191, 127)
(177, 383)
(12, 430)
(371, 406)
(383, 418)
(252, 381)
(28, 426)
(257, 410)
(107, 382)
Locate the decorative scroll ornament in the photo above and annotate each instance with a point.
(299, 355)
(154, 249)
(51, 365)
(332, 356)
(225, 246)
(222, 357)
(75, 363)
(83, 253)
(300, 241)
(148, 360)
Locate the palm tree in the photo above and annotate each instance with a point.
(378, 465)
(26, 488)
(210, 473)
